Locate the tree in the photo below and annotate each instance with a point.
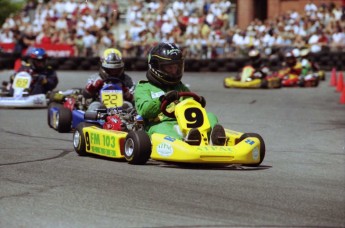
(7, 8)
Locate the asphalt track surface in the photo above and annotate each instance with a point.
(301, 182)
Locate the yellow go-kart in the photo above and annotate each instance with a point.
(248, 80)
(137, 147)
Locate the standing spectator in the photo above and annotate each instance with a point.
(338, 38)
(89, 43)
(106, 41)
(29, 9)
(310, 8)
(61, 23)
(126, 44)
(79, 46)
(44, 37)
(314, 42)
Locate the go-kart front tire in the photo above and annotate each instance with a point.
(262, 147)
(79, 139)
(64, 120)
(137, 147)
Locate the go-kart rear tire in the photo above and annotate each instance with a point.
(264, 83)
(316, 82)
(137, 147)
(262, 147)
(79, 138)
(50, 106)
(64, 120)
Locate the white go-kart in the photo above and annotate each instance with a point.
(21, 98)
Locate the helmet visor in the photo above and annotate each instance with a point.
(172, 69)
(39, 63)
(114, 72)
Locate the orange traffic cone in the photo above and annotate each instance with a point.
(333, 81)
(340, 82)
(342, 97)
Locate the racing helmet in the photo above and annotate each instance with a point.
(290, 59)
(304, 53)
(255, 57)
(112, 65)
(296, 52)
(37, 58)
(166, 64)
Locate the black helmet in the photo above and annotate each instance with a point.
(290, 59)
(255, 57)
(112, 66)
(166, 65)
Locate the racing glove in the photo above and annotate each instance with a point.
(170, 96)
(92, 88)
(127, 95)
(42, 79)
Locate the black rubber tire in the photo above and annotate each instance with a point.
(262, 147)
(79, 143)
(316, 82)
(137, 147)
(51, 105)
(264, 83)
(301, 83)
(64, 116)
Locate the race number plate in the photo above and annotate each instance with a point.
(112, 98)
(189, 114)
(22, 80)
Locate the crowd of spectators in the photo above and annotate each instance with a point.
(84, 25)
(205, 27)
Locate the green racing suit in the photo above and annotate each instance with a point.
(147, 104)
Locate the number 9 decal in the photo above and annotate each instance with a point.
(87, 139)
(195, 117)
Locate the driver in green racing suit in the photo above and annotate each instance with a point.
(166, 66)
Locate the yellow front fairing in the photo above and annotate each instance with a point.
(190, 114)
(108, 143)
(165, 148)
(231, 82)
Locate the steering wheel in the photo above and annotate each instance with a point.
(165, 103)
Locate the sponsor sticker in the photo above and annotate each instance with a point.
(256, 153)
(250, 142)
(157, 94)
(171, 139)
(38, 100)
(165, 149)
(214, 148)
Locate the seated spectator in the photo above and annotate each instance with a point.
(6, 36)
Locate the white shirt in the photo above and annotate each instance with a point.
(89, 40)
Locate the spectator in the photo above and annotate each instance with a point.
(310, 8)
(6, 36)
(89, 41)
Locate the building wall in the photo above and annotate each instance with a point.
(245, 10)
